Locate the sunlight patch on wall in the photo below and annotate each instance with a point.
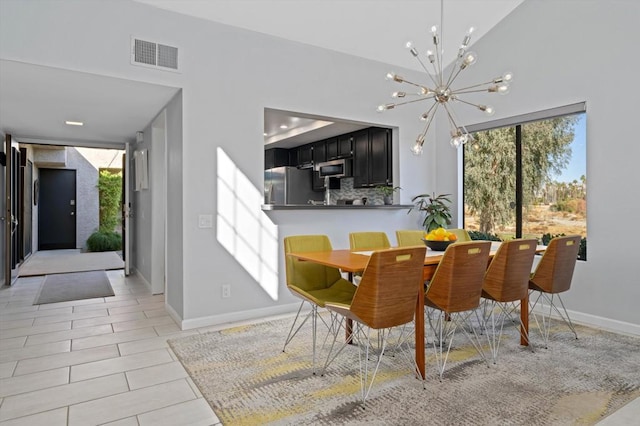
(243, 229)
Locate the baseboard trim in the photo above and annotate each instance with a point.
(608, 324)
(237, 316)
(173, 314)
(142, 278)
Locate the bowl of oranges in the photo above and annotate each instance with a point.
(439, 239)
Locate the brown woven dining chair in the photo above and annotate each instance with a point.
(553, 276)
(453, 296)
(313, 283)
(506, 282)
(386, 298)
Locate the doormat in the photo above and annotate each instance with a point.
(74, 286)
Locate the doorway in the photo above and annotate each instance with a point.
(57, 209)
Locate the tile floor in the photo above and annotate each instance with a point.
(106, 361)
(98, 361)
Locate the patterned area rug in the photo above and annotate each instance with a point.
(247, 379)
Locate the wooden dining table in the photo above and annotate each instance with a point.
(353, 262)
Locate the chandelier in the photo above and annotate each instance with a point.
(440, 90)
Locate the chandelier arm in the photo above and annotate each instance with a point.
(413, 84)
(430, 119)
(460, 92)
(475, 85)
(454, 76)
(424, 67)
(413, 100)
(452, 121)
(468, 103)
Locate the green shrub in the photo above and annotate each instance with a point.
(110, 189)
(104, 241)
(582, 251)
(477, 235)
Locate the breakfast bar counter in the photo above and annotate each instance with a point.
(269, 207)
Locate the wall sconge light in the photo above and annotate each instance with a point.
(139, 137)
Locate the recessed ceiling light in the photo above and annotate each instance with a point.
(284, 126)
(264, 134)
(74, 123)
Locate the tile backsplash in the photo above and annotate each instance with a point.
(348, 192)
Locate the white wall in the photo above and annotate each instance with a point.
(230, 75)
(563, 52)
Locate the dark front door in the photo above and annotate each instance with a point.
(57, 209)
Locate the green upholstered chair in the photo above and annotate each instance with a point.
(553, 276)
(461, 234)
(410, 237)
(365, 241)
(313, 283)
(385, 298)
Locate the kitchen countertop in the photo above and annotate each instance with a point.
(268, 207)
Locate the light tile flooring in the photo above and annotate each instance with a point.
(106, 362)
(95, 361)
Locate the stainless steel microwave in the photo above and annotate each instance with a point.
(335, 168)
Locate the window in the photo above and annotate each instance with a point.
(528, 178)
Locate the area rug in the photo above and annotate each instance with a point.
(247, 379)
(62, 261)
(74, 286)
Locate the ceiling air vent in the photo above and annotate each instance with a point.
(154, 55)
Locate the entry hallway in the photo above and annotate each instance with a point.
(94, 361)
(106, 361)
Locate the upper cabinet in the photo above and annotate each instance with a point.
(372, 163)
(276, 157)
(319, 156)
(340, 147)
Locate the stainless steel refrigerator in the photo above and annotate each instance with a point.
(289, 185)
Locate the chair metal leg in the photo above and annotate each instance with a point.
(506, 311)
(545, 327)
(292, 333)
(445, 328)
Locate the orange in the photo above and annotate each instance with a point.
(452, 237)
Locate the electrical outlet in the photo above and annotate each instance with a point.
(226, 291)
(205, 221)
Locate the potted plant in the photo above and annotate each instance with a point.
(387, 193)
(436, 208)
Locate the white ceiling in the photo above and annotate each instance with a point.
(36, 100)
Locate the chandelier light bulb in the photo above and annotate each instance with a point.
(381, 108)
(488, 109)
(424, 91)
(412, 49)
(469, 59)
(431, 56)
(398, 94)
(507, 77)
(390, 76)
(503, 89)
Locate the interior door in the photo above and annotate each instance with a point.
(126, 212)
(11, 210)
(57, 209)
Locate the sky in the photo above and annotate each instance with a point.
(578, 163)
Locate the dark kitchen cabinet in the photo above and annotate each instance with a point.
(372, 163)
(319, 156)
(332, 148)
(305, 155)
(276, 157)
(340, 147)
